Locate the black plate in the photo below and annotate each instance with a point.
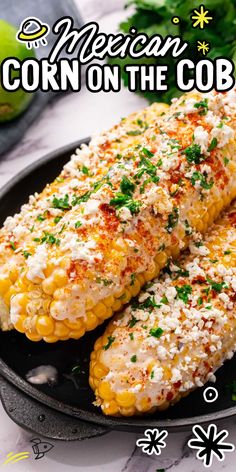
(72, 395)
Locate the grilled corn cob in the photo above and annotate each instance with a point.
(176, 334)
(117, 230)
(39, 214)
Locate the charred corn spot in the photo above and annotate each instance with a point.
(44, 325)
(125, 399)
(105, 391)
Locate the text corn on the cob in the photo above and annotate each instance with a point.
(114, 231)
(40, 215)
(176, 334)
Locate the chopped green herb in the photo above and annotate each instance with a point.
(213, 144)
(172, 220)
(121, 200)
(193, 154)
(78, 224)
(133, 278)
(217, 287)
(85, 170)
(132, 322)
(12, 244)
(200, 301)
(57, 219)
(134, 132)
(183, 292)
(131, 335)
(203, 106)
(133, 358)
(152, 374)
(127, 187)
(110, 340)
(156, 332)
(49, 238)
(147, 153)
(40, 218)
(226, 160)
(227, 252)
(26, 254)
(61, 203)
(198, 176)
(188, 228)
(164, 300)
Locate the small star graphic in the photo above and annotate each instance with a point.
(210, 444)
(203, 47)
(201, 17)
(154, 441)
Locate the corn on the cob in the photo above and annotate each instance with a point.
(116, 232)
(176, 334)
(39, 214)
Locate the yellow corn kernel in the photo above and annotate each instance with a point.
(105, 391)
(98, 344)
(161, 259)
(60, 277)
(100, 370)
(45, 325)
(61, 330)
(135, 288)
(144, 404)
(33, 336)
(77, 334)
(9, 294)
(49, 269)
(51, 339)
(100, 310)
(5, 284)
(89, 304)
(110, 408)
(74, 325)
(127, 411)
(19, 325)
(49, 285)
(108, 301)
(13, 274)
(125, 399)
(91, 320)
(151, 272)
(117, 305)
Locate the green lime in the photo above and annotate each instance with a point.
(12, 104)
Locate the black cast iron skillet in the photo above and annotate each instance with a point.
(65, 410)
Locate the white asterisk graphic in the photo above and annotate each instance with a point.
(210, 444)
(153, 442)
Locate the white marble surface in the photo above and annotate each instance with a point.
(65, 120)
